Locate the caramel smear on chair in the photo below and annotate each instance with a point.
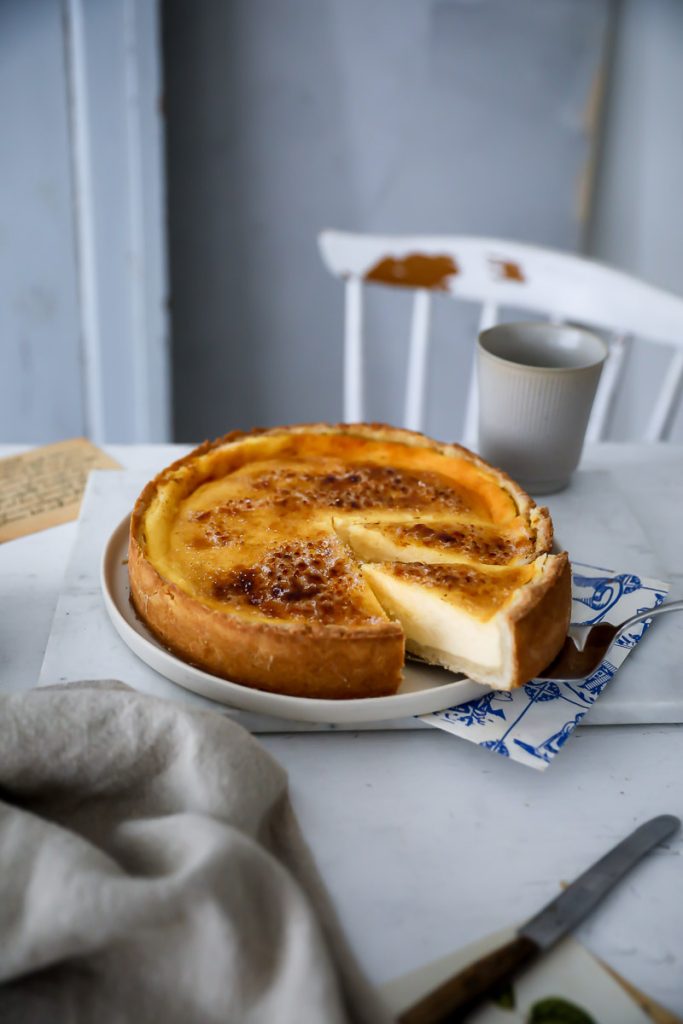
(414, 271)
(506, 270)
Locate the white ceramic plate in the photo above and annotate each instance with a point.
(424, 689)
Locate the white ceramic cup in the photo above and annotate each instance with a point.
(537, 383)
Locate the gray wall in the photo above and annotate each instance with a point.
(638, 219)
(290, 115)
(40, 359)
(83, 319)
(395, 115)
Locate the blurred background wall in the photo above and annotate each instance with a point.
(40, 353)
(83, 281)
(282, 117)
(409, 116)
(637, 219)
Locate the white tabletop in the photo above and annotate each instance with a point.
(427, 842)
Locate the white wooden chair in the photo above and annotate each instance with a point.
(498, 274)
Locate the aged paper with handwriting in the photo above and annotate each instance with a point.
(43, 487)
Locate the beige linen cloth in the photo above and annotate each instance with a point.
(151, 869)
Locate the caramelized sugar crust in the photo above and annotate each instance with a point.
(480, 593)
(332, 485)
(249, 526)
(224, 524)
(301, 580)
(478, 542)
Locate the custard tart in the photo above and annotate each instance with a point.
(307, 560)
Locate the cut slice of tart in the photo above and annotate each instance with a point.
(498, 625)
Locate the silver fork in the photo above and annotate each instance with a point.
(586, 646)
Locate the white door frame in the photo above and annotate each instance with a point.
(117, 142)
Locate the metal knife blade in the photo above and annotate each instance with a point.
(579, 898)
(459, 994)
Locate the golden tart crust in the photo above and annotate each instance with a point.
(243, 556)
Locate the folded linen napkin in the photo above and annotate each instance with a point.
(152, 870)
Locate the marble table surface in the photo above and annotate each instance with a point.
(427, 843)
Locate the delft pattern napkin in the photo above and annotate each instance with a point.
(532, 724)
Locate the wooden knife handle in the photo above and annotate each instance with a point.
(456, 996)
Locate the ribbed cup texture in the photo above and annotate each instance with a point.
(532, 422)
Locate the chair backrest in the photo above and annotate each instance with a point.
(497, 273)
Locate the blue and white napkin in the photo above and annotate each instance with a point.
(532, 724)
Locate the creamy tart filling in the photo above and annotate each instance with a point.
(451, 614)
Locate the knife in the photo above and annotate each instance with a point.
(456, 996)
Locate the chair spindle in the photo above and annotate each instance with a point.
(353, 351)
(417, 361)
